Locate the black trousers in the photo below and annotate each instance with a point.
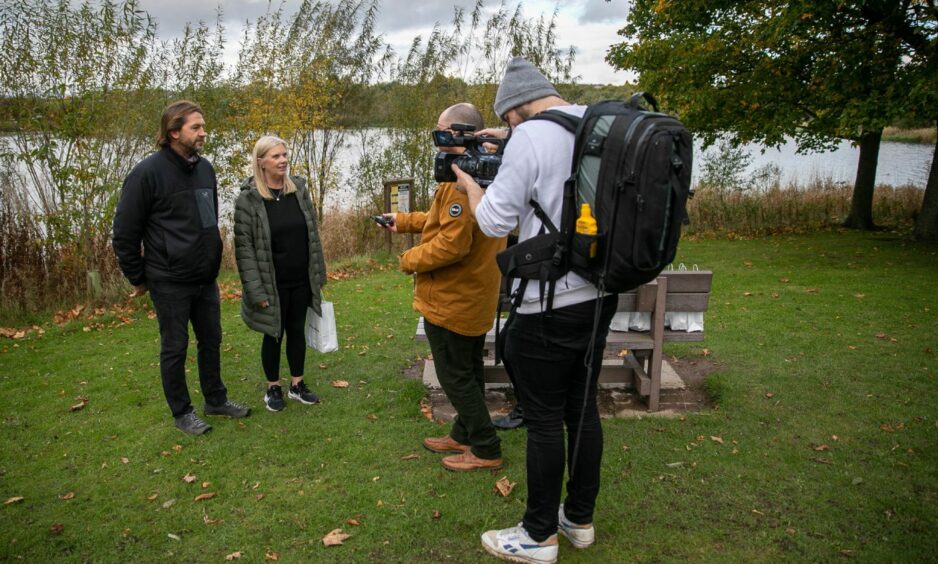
(458, 362)
(176, 306)
(547, 353)
(293, 303)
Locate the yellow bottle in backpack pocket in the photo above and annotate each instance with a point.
(586, 225)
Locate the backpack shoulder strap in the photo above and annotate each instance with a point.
(563, 119)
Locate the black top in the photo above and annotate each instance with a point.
(170, 204)
(289, 240)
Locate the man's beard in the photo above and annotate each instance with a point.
(191, 148)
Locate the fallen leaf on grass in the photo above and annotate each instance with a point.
(353, 522)
(69, 495)
(372, 417)
(203, 497)
(174, 537)
(790, 531)
(769, 395)
(426, 410)
(208, 521)
(823, 460)
(12, 500)
(887, 427)
(504, 487)
(859, 296)
(784, 280)
(259, 497)
(82, 402)
(339, 384)
(334, 538)
(188, 478)
(56, 528)
(436, 514)
(177, 448)
(125, 460)
(152, 497)
(206, 484)
(821, 448)
(716, 439)
(271, 556)
(322, 366)
(169, 503)
(233, 556)
(811, 290)
(410, 457)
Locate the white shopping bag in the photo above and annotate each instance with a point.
(676, 320)
(695, 322)
(640, 321)
(320, 331)
(620, 321)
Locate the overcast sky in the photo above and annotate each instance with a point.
(588, 25)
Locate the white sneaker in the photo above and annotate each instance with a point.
(580, 536)
(516, 545)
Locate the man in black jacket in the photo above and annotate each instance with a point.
(169, 203)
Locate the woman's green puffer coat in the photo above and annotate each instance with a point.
(255, 258)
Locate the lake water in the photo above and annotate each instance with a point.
(900, 164)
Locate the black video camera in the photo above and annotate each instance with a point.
(475, 161)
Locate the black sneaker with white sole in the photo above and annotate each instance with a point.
(302, 394)
(273, 399)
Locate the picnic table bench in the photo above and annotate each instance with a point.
(636, 356)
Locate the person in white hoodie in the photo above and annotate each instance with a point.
(547, 349)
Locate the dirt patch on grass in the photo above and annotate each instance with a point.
(613, 402)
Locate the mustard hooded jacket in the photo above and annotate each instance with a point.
(457, 280)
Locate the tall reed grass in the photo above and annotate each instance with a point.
(819, 205)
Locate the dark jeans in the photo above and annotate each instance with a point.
(548, 353)
(458, 362)
(293, 304)
(176, 305)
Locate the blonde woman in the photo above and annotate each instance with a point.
(281, 265)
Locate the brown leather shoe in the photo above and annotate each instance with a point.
(466, 462)
(444, 445)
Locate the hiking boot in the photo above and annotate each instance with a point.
(580, 536)
(467, 462)
(444, 445)
(513, 420)
(302, 394)
(516, 545)
(229, 408)
(273, 398)
(190, 424)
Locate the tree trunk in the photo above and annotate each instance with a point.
(861, 208)
(926, 224)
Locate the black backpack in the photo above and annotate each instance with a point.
(633, 167)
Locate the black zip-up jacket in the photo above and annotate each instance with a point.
(171, 206)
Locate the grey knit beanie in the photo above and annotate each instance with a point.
(521, 84)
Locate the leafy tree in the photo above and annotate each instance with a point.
(299, 77)
(79, 81)
(814, 70)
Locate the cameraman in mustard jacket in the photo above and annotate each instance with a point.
(456, 291)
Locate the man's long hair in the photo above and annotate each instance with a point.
(174, 117)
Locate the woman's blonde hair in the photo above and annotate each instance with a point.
(261, 148)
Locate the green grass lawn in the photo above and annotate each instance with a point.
(823, 443)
